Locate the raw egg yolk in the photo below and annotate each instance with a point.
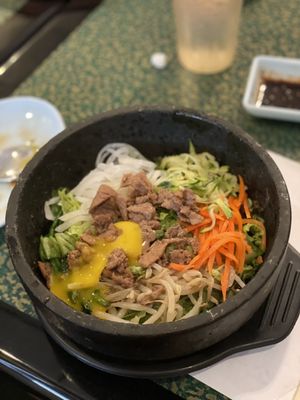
(87, 274)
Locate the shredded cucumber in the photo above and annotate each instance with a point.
(60, 244)
(56, 245)
(201, 172)
(67, 201)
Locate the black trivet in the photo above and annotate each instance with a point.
(270, 324)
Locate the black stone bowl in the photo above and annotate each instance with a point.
(155, 132)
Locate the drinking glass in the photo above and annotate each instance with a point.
(207, 32)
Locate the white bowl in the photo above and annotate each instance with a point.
(25, 119)
(279, 67)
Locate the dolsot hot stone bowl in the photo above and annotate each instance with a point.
(155, 132)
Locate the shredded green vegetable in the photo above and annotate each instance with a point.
(203, 174)
(55, 246)
(186, 304)
(87, 298)
(167, 218)
(254, 236)
(137, 270)
(67, 201)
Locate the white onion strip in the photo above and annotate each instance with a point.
(133, 307)
(70, 215)
(155, 317)
(171, 299)
(47, 209)
(110, 317)
(196, 308)
(117, 296)
(239, 281)
(66, 225)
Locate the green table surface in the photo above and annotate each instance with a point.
(105, 64)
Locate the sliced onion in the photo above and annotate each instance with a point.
(112, 151)
(70, 215)
(75, 220)
(192, 298)
(133, 306)
(196, 308)
(110, 317)
(155, 317)
(190, 274)
(171, 299)
(117, 296)
(239, 281)
(231, 277)
(47, 209)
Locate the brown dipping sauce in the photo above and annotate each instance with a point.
(279, 93)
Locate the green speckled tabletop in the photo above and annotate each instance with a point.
(105, 64)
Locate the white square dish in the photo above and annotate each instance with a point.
(278, 68)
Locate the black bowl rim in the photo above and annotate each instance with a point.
(40, 292)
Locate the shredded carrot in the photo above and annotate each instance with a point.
(242, 190)
(199, 260)
(225, 279)
(234, 203)
(204, 212)
(191, 228)
(242, 199)
(214, 231)
(223, 226)
(228, 234)
(226, 273)
(225, 243)
(246, 207)
(227, 254)
(219, 260)
(238, 220)
(219, 216)
(201, 239)
(178, 267)
(240, 254)
(215, 237)
(210, 263)
(231, 227)
(195, 260)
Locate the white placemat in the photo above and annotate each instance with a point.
(272, 372)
